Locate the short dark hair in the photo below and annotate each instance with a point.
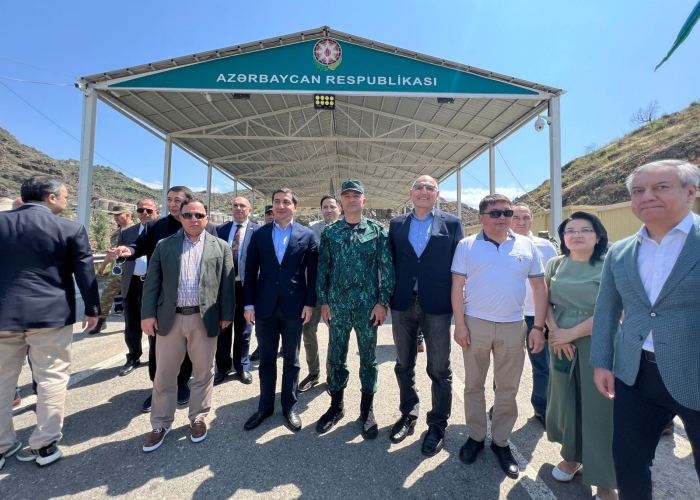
(285, 191)
(600, 231)
(193, 200)
(39, 187)
(490, 200)
(184, 190)
(326, 196)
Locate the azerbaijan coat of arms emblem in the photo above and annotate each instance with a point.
(327, 54)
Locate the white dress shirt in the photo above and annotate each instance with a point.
(655, 261)
(241, 239)
(142, 262)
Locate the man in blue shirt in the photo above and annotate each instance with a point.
(423, 243)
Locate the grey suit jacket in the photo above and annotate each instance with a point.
(127, 237)
(674, 319)
(216, 283)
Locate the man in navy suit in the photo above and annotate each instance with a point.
(41, 254)
(423, 243)
(281, 299)
(238, 234)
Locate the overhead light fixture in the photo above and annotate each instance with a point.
(241, 96)
(207, 96)
(445, 100)
(324, 101)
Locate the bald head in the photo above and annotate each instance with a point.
(423, 194)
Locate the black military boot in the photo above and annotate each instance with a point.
(333, 415)
(101, 325)
(369, 425)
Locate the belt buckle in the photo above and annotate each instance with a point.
(142, 277)
(649, 356)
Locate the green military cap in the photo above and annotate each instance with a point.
(353, 186)
(268, 208)
(119, 209)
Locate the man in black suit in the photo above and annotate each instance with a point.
(282, 300)
(132, 278)
(238, 234)
(423, 243)
(145, 244)
(41, 254)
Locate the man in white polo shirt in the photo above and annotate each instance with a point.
(490, 271)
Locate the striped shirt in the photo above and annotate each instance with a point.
(190, 262)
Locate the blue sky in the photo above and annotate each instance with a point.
(602, 53)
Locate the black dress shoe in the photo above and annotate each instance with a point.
(402, 428)
(220, 377)
(308, 382)
(490, 412)
(255, 356)
(469, 450)
(146, 408)
(257, 418)
(101, 325)
(183, 394)
(128, 367)
(541, 418)
(246, 378)
(669, 429)
(506, 460)
(433, 441)
(293, 419)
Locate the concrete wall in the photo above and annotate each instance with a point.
(618, 219)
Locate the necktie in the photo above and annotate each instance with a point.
(235, 245)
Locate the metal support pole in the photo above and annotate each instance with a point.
(438, 198)
(87, 156)
(252, 198)
(235, 189)
(167, 167)
(555, 193)
(492, 168)
(459, 193)
(210, 169)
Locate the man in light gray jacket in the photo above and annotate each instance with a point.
(651, 368)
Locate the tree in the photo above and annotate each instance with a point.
(645, 115)
(590, 148)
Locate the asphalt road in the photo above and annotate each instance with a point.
(105, 429)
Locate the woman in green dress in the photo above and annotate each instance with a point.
(578, 416)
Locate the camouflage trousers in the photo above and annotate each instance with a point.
(112, 287)
(342, 323)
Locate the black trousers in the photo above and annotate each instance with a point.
(132, 319)
(185, 368)
(641, 413)
(238, 335)
(269, 331)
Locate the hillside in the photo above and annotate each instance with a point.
(598, 178)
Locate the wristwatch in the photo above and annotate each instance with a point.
(385, 305)
(540, 328)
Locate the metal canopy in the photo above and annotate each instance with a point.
(268, 134)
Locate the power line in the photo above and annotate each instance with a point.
(37, 67)
(34, 81)
(516, 180)
(65, 131)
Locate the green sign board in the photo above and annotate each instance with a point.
(324, 65)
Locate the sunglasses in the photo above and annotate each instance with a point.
(495, 214)
(196, 215)
(117, 267)
(149, 211)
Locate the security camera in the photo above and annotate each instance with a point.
(539, 123)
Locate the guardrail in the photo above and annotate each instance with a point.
(99, 258)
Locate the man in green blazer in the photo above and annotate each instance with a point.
(188, 297)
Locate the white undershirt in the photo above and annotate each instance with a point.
(655, 261)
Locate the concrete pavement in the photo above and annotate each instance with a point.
(105, 429)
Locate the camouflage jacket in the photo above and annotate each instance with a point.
(355, 266)
(114, 238)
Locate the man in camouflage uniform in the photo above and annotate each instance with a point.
(122, 216)
(354, 285)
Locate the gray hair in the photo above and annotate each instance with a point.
(687, 172)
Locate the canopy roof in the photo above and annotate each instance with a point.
(249, 111)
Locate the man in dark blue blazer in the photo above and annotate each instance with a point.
(41, 253)
(423, 243)
(281, 299)
(238, 234)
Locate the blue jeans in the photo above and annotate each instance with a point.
(438, 340)
(540, 372)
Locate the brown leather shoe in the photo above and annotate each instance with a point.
(155, 439)
(198, 429)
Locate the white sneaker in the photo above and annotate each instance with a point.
(43, 456)
(562, 476)
(13, 449)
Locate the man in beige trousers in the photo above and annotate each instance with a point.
(188, 297)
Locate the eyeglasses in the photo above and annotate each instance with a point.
(424, 187)
(495, 214)
(117, 268)
(196, 215)
(585, 230)
(239, 205)
(149, 211)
